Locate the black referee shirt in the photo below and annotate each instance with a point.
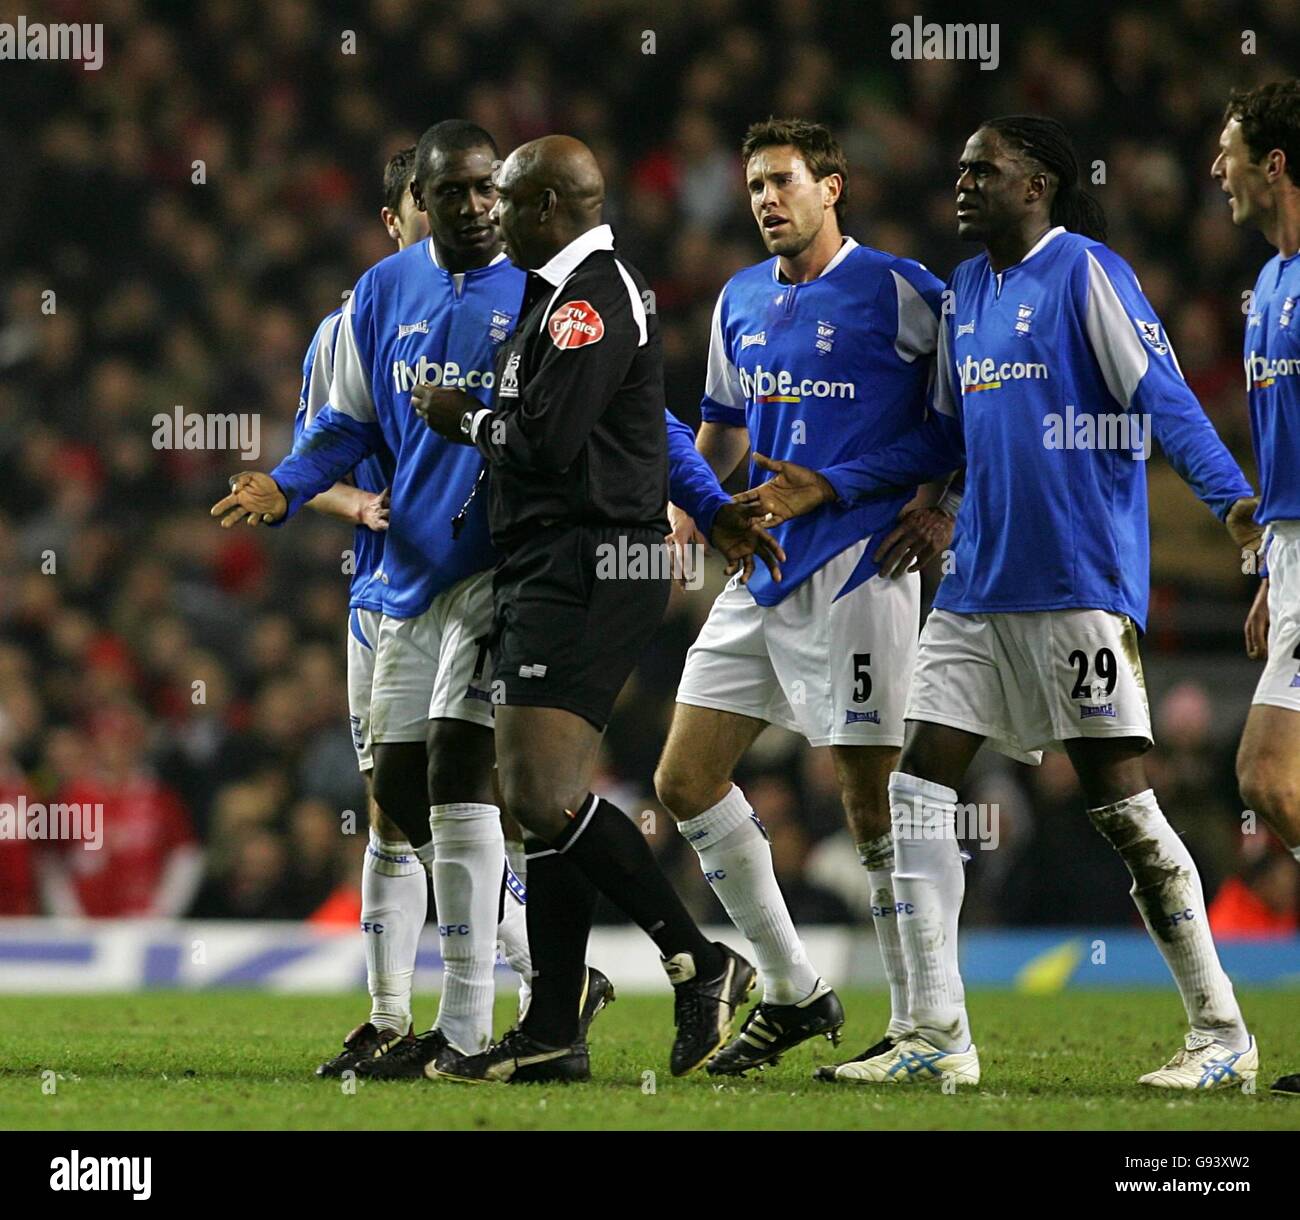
(576, 433)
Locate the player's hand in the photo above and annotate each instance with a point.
(374, 510)
(442, 409)
(1245, 531)
(683, 534)
(254, 497)
(737, 537)
(919, 536)
(1257, 625)
(793, 491)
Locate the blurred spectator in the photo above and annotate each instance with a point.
(148, 862)
(1262, 898)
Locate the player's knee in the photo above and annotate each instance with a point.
(678, 792)
(538, 803)
(1269, 786)
(460, 763)
(399, 793)
(383, 825)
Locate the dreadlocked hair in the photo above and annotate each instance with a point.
(1044, 140)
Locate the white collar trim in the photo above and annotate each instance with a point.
(565, 263)
(1042, 241)
(433, 256)
(847, 246)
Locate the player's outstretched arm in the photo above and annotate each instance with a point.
(352, 504)
(1142, 375)
(692, 483)
(738, 538)
(254, 497)
(792, 491)
(347, 502)
(329, 448)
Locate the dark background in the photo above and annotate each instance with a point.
(205, 295)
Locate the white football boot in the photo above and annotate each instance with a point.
(1205, 1063)
(912, 1060)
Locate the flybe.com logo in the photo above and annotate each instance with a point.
(407, 376)
(764, 385)
(988, 374)
(1261, 372)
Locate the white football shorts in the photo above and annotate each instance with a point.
(832, 668)
(1279, 684)
(363, 632)
(1031, 681)
(435, 666)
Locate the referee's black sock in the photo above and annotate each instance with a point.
(603, 842)
(561, 902)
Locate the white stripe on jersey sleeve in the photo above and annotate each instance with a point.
(946, 396)
(638, 306)
(722, 381)
(1120, 353)
(918, 328)
(322, 369)
(350, 388)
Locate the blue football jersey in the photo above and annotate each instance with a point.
(1053, 376)
(1273, 387)
(409, 321)
(370, 474)
(820, 372)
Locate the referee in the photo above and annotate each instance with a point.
(576, 446)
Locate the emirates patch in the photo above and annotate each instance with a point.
(575, 324)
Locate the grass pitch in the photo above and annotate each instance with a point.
(243, 1060)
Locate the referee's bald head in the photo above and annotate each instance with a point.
(550, 191)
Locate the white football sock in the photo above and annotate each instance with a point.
(1167, 891)
(877, 857)
(929, 884)
(394, 903)
(469, 850)
(512, 934)
(737, 862)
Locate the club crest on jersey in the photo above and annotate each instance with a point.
(965, 328)
(1288, 307)
(575, 324)
(758, 340)
(825, 338)
(1151, 334)
(413, 328)
(499, 328)
(509, 387)
(1024, 316)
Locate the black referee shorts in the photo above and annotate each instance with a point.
(575, 605)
